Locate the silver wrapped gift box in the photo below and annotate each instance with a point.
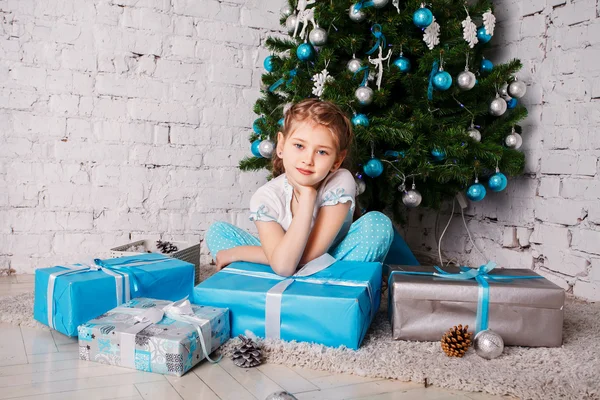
(525, 312)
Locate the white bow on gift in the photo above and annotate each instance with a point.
(179, 311)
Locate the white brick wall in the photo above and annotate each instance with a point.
(124, 119)
(548, 220)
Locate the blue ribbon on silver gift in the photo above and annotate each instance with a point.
(274, 295)
(180, 310)
(482, 276)
(118, 270)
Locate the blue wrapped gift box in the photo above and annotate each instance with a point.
(333, 307)
(77, 293)
(154, 335)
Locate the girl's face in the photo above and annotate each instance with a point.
(309, 153)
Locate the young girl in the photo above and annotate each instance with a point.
(307, 209)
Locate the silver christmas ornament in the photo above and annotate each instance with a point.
(318, 36)
(364, 95)
(412, 198)
(466, 80)
(266, 148)
(281, 396)
(503, 92)
(354, 65)
(517, 89)
(488, 344)
(513, 141)
(498, 106)
(380, 3)
(474, 134)
(290, 23)
(361, 186)
(286, 10)
(356, 16)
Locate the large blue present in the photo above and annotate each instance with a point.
(67, 296)
(333, 306)
(154, 335)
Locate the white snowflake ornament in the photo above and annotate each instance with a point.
(470, 31)
(489, 22)
(432, 35)
(320, 80)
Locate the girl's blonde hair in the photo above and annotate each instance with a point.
(323, 113)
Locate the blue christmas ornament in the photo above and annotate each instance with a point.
(512, 103)
(438, 154)
(442, 80)
(423, 17)
(254, 148)
(497, 182)
(305, 52)
(268, 64)
(482, 35)
(402, 63)
(476, 192)
(360, 120)
(256, 127)
(373, 168)
(486, 66)
(281, 121)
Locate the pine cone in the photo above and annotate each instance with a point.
(456, 341)
(248, 354)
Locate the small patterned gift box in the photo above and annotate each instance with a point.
(154, 335)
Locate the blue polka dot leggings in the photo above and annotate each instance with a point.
(369, 239)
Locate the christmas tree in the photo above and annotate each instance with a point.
(431, 115)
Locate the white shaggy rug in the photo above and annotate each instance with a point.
(569, 372)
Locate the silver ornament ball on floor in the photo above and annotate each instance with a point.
(354, 65)
(364, 95)
(513, 141)
(474, 134)
(412, 198)
(517, 89)
(317, 37)
(290, 23)
(503, 92)
(282, 395)
(380, 3)
(286, 10)
(356, 16)
(265, 148)
(466, 80)
(498, 106)
(488, 344)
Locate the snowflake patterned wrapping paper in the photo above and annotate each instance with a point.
(166, 347)
(66, 298)
(334, 306)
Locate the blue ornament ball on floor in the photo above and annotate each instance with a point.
(360, 120)
(373, 168)
(254, 148)
(305, 52)
(512, 103)
(442, 80)
(476, 192)
(268, 64)
(497, 182)
(482, 35)
(438, 154)
(486, 66)
(256, 127)
(402, 63)
(423, 17)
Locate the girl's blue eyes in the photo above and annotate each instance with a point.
(321, 152)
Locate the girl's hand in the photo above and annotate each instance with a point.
(309, 191)
(224, 258)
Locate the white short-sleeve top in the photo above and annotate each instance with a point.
(272, 201)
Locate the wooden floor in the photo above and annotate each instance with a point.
(39, 364)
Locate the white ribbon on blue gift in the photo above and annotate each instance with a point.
(180, 310)
(122, 286)
(274, 295)
(482, 276)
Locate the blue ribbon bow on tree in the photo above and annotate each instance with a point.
(281, 81)
(435, 67)
(378, 33)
